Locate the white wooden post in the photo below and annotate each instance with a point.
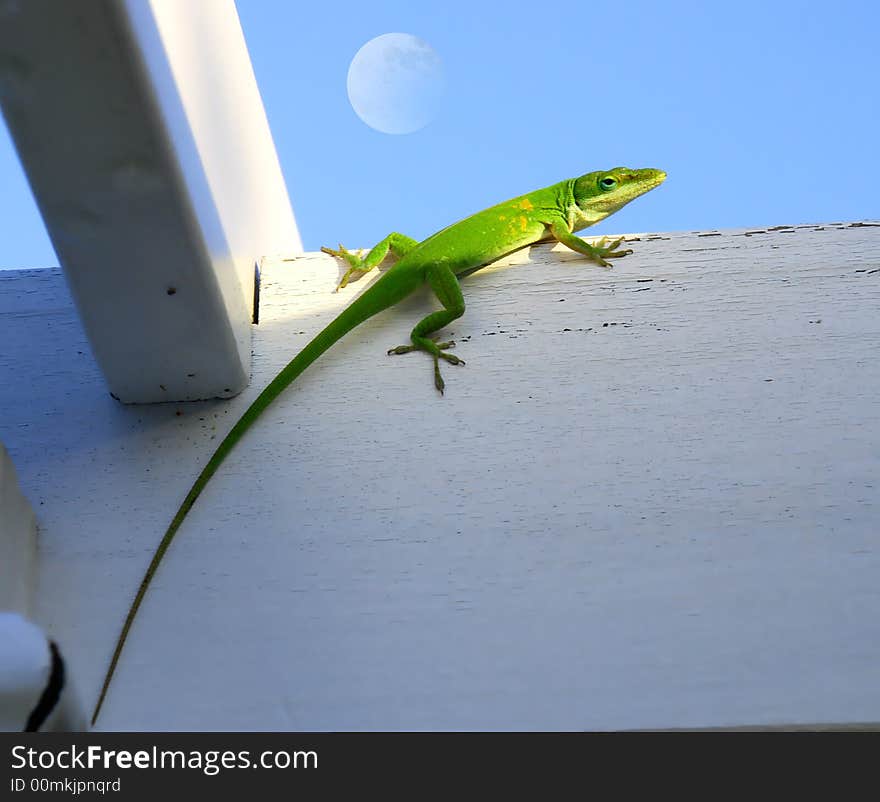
(141, 130)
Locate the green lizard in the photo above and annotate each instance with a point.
(552, 213)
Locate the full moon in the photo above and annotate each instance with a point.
(396, 83)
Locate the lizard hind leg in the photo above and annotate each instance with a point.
(447, 289)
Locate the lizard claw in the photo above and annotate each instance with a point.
(355, 264)
(437, 351)
(605, 250)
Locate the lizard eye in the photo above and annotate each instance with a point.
(608, 183)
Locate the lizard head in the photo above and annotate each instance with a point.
(596, 195)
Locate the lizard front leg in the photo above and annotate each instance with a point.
(398, 244)
(597, 253)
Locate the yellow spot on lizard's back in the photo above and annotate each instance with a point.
(523, 223)
(525, 204)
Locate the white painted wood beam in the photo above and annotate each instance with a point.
(648, 500)
(142, 133)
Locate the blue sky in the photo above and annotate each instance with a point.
(762, 113)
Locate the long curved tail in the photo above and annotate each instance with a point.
(372, 301)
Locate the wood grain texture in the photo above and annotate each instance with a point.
(648, 500)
